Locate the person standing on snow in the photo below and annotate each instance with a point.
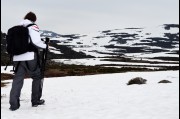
(28, 63)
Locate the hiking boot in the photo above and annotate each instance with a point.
(40, 102)
(13, 108)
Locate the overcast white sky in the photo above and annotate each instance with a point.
(84, 16)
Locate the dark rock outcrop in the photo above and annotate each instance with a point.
(137, 80)
(164, 81)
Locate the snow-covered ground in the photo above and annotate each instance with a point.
(100, 97)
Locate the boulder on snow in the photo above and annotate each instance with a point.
(164, 81)
(137, 80)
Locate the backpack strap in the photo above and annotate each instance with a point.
(16, 68)
(36, 51)
(10, 61)
(30, 25)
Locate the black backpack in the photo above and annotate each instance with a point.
(18, 40)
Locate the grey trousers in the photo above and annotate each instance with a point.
(32, 68)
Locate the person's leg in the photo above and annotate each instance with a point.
(17, 85)
(36, 85)
(35, 73)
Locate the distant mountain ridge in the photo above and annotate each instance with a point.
(46, 33)
(156, 44)
(51, 34)
(127, 40)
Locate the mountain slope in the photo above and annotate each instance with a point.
(156, 45)
(159, 45)
(129, 41)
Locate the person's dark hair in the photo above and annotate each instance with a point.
(30, 16)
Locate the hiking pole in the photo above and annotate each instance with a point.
(44, 55)
(44, 58)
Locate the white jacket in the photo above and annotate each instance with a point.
(35, 38)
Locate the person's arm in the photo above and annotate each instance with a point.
(35, 37)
